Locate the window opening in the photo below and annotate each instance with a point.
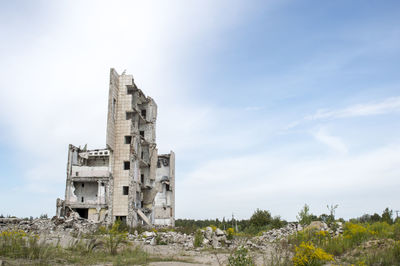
(127, 165)
(128, 139)
(129, 115)
(125, 190)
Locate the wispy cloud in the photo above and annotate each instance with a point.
(386, 106)
(389, 105)
(333, 142)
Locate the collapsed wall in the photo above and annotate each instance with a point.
(128, 180)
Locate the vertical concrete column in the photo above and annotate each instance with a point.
(98, 192)
(70, 184)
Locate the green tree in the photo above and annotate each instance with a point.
(305, 217)
(260, 218)
(387, 216)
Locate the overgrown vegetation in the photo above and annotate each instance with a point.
(367, 240)
(364, 241)
(240, 257)
(18, 244)
(308, 254)
(198, 239)
(108, 245)
(113, 236)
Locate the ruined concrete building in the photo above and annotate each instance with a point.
(127, 180)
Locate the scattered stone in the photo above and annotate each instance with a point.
(219, 232)
(317, 225)
(208, 233)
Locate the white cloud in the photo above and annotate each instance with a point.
(333, 142)
(389, 105)
(386, 106)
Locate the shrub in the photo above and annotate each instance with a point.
(240, 257)
(396, 230)
(230, 233)
(356, 233)
(198, 239)
(307, 254)
(260, 218)
(305, 217)
(113, 237)
(387, 216)
(159, 241)
(381, 229)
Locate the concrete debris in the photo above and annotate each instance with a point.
(219, 232)
(56, 231)
(67, 232)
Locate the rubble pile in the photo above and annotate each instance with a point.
(67, 232)
(276, 234)
(211, 238)
(44, 225)
(163, 238)
(64, 232)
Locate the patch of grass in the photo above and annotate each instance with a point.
(18, 244)
(388, 256)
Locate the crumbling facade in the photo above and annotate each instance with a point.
(128, 180)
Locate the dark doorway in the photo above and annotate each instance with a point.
(83, 213)
(121, 218)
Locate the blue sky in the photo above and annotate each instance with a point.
(267, 104)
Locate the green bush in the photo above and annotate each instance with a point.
(113, 237)
(240, 257)
(260, 218)
(309, 255)
(381, 229)
(230, 232)
(305, 217)
(396, 230)
(198, 239)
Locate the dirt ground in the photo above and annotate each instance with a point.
(199, 257)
